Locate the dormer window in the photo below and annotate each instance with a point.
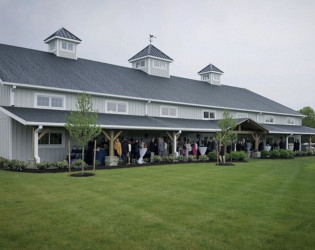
(269, 119)
(159, 64)
(211, 74)
(52, 46)
(215, 77)
(140, 64)
(205, 77)
(67, 46)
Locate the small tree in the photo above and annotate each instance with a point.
(226, 136)
(82, 124)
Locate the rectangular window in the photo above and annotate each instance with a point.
(241, 115)
(207, 115)
(215, 77)
(52, 139)
(67, 46)
(49, 101)
(205, 77)
(140, 64)
(159, 64)
(116, 107)
(290, 121)
(269, 119)
(52, 46)
(166, 111)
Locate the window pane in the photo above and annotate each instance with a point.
(206, 114)
(111, 106)
(43, 101)
(56, 102)
(44, 140)
(142, 63)
(122, 107)
(70, 46)
(164, 111)
(212, 115)
(64, 45)
(172, 111)
(55, 138)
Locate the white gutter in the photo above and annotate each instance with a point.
(142, 99)
(37, 159)
(12, 96)
(146, 107)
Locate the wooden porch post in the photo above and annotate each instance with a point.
(111, 138)
(309, 142)
(256, 138)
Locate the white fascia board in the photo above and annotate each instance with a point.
(154, 57)
(289, 133)
(62, 38)
(207, 72)
(142, 99)
(13, 116)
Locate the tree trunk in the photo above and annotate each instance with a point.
(82, 166)
(69, 156)
(94, 158)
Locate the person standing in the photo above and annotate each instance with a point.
(118, 149)
(152, 147)
(222, 154)
(161, 146)
(125, 150)
(188, 148)
(194, 148)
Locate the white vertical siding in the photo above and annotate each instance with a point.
(5, 136)
(21, 141)
(4, 95)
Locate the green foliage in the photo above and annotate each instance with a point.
(235, 155)
(17, 165)
(226, 125)
(170, 159)
(182, 158)
(61, 164)
(264, 154)
(43, 165)
(134, 161)
(212, 156)
(78, 163)
(309, 152)
(299, 153)
(157, 158)
(120, 162)
(82, 124)
(203, 158)
(309, 119)
(97, 163)
(274, 154)
(242, 155)
(192, 158)
(285, 154)
(4, 163)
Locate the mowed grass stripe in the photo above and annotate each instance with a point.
(262, 204)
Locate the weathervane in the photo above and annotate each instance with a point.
(151, 37)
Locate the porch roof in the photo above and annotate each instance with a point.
(288, 129)
(57, 118)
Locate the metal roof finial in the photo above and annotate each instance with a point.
(151, 37)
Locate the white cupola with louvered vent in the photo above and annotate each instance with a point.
(152, 61)
(211, 74)
(63, 44)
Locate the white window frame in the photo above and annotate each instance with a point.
(209, 111)
(52, 46)
(241, 115)
(292, 121)
(116, 103)
(50, 96)
(268, 118)
(168, 107)
(206, 77)
(215, 77)
(159, 67)
(62, 145)
(67, 45)
(140, 66)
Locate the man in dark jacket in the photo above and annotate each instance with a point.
(124, 148)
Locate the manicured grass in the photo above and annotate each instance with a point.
(263, 204)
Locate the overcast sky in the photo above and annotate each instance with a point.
(265, 46)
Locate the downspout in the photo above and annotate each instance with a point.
(12, 90)
(146, 107)
(175, 153)
(36, 132)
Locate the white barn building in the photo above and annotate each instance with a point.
(38, 89)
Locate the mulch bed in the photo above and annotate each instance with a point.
(84, 174)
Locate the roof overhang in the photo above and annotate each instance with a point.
(62, 38)
(148, 56)
(207, 72)
(252, 125)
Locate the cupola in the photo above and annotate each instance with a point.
(211, 74)
(152, 61)
(63, 44)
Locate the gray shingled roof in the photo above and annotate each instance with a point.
(40, 116)
(33, 67)
(150, 50)
(65, 34)
(210, 68)
(288, 129)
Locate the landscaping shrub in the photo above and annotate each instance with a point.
(182, 158)
(4, 163)
(203, 158)
(17, 165)
(134, 161)
(157, 158)
(274, 154)
(97, 163)
(120, 162)
(77, 164)
(212, 156)
(61, 164)
(235, 155)
(170, 159)
(43, 165)
(309, 152)
(242, 155)
(264, 154)
(192, 158)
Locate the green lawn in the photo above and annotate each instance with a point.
(263, 204)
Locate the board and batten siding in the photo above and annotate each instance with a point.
(4, 95)
(21, 141)
(5, 136)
